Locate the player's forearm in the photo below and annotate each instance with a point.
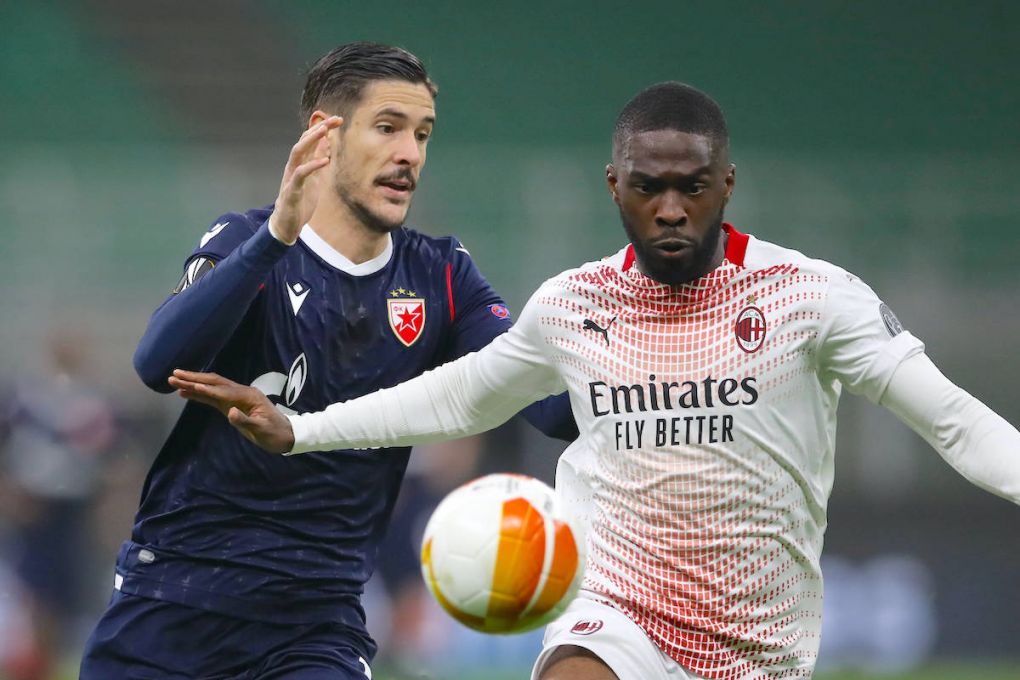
(473, 394)
(191, 327)
(977, 442)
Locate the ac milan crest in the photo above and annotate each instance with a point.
(586, 627)
(750, 329)
(407, 318)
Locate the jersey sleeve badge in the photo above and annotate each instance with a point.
(892, 324)
(195, 270)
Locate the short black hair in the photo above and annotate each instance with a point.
(336, 81)
(672, 106)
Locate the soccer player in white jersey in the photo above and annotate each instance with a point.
(704, 367)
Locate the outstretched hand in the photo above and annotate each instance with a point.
(300, 185)
(247, 408)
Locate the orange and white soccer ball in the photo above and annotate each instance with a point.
(501, 555)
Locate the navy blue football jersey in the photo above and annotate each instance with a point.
(227, 527)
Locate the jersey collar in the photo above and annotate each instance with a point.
(336, 259)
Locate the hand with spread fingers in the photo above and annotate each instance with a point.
(300, 185)
(246, 408)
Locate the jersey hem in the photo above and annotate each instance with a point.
(173, 587)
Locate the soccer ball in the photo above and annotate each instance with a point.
(500, 554)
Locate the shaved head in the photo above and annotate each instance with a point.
(672, 106)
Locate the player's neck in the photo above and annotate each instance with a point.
(335, 224)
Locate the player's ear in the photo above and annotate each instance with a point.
(318, 115)
(731, 181)
(316, 118)
(611, 182)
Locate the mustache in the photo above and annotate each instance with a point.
(402, 174)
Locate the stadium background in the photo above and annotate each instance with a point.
(882, 136)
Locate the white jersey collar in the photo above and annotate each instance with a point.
(336, 259)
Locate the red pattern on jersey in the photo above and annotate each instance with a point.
(693, 542)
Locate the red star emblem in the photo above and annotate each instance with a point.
(407, 319)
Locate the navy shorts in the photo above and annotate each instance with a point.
(141, 639)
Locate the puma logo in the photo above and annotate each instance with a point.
(590, 325)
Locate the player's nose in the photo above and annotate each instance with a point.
(670, 210)
(408, 151)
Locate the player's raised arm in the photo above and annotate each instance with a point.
(470, 395)
(223, 275)
(864, 345)
(972, 438)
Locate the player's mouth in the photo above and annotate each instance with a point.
(672, 247)
(398, 187)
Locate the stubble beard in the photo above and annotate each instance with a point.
(365, 215)
(675, 274)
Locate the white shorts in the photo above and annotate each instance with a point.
(611, 636)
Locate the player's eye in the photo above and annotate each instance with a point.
(423, 135)
(696, 189)
(385, 128)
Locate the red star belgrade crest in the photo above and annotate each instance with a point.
(407, 318)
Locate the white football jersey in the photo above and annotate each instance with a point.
(707, 418)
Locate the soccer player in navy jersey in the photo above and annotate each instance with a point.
(248, 566)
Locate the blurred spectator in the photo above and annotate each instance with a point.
(56, 429)
(24, 655)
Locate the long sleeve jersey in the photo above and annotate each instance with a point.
(223, 528)
(707, 418)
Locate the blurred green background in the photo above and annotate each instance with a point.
(882, 136)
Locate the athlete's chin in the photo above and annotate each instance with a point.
(672, 271)
(386, 218)
(672, 277)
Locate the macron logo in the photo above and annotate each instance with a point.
(208, 236)
(297, 293)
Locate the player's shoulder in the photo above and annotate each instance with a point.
(765, 255)
(594, 274)
(246, 221)
(428, 247)
(254, 217)
(229, 230)
(842, 289)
